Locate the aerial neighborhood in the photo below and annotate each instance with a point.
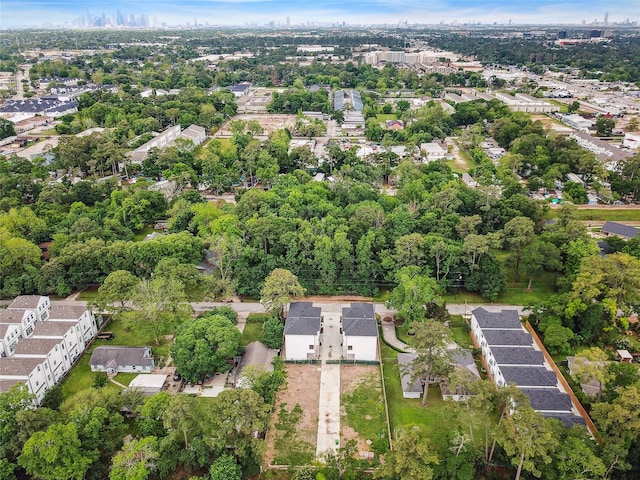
(319, 250)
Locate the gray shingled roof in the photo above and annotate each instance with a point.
(359, 310)
(23, 366)
(51, 329)
(36, 346)
(11, 315)
(569, 419)
(360, 327)
(25, 301)
(507, 337)
(66, 312)
(624, 231)
(359, 320)
(103, 356)
(506, 319)
(406, 372)
(529, 376)
(303, 319)
(517, 356)
(548, 399)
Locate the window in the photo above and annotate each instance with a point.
(38, 367)
(350, 347)
(310, 347)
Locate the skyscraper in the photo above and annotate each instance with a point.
(288, 22)
(606, 18)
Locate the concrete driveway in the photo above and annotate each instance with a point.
(329, 407)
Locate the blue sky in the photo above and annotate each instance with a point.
(239, 12)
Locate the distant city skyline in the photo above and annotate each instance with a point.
(20, 13)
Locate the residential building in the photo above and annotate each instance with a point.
(34, 372)
(302, 332)
(625, 232)
(359, 332)
(121, 359)
(512, 356)
(256, 354)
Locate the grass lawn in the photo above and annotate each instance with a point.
(125, 378)
(251, 333)
(460, 331)
(81, 376)
(89, 294)
(383, 117)
(432, 420)
(600, 214)
(364, 406)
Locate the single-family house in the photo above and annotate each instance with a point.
(256, 354)
(465, 363)
(394, 124)
(469, 181)
(625, 232)
(359, 332)
(121, 359)
(302, 332)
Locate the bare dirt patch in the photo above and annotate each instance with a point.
(303, 388)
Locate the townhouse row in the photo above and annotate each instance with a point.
(40, 340)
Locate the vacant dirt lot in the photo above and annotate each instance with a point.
(303, 387)
(270, 122)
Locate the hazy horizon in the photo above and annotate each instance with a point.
(26, 13)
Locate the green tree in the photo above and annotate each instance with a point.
(203, 347)
(234, 421)
(119, 286)
(225, 468)
(273, 330)
(279, 288)
(157, 301)
(557, 338)
(518, 232)
(136, 461)
(411, 458)
(430, 340)
(537, 256)
(604, 126)
(527, 439)
(55, 454)
(415, 293)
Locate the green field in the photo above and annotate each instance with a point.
(252, 332)
(601, 214)
(383, 117)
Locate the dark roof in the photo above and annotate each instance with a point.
(359, 310)
(506, 319)
(569, 419)
(529, 376)
(517, 356)
(360, 327)
(303, 309)
(138, 356)
(303, 319)
(256, 353)
(360, 320)
(548, 399)
(624, 231)
(508, 337)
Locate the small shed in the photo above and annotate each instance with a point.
(624, 356)
(148, 384)
(409, 389)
